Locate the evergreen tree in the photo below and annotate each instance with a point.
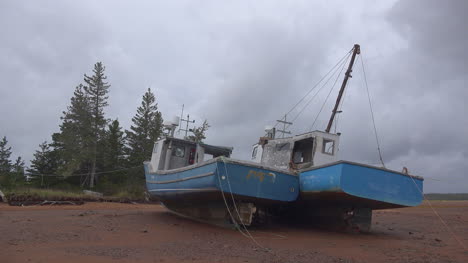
(96, 89)
(146, 129)
(11, 174)
(43, 166)
(5, 153)
(17, 173)
(199, 132)
(114, 156)
(74, 143)
(5, 163)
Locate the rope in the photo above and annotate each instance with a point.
(440, 218)
(316, 85)
(248, 235)
(326, 99)
(227, 205)
(372, 111)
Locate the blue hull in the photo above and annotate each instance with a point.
(207, 182)
(346, 183)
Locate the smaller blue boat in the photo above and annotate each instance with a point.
(339, 192)
(336, 190)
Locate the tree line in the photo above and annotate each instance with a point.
(91, 150)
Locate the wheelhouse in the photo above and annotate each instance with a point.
(171, 153)
(297, 152)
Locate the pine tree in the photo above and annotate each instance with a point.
(5, 163)
(17, 172)
(43, 166)
(96, 89)
(74, 143)
(146, 129)
(199, 132)
(11, 174)
(5, 153)
(114, 155)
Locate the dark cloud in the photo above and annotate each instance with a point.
(242, 65)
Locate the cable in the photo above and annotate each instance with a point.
(316, 85)
(372, 111)
(326, 99)
(326, 82)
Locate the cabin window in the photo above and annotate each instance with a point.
(328, 146)
(155, 148)
(179, 151)
(302, 152)
(282, 146)
(254, 152)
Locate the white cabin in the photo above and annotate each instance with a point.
(172, 153)
(297, 152)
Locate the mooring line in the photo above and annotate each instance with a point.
(248, 235)
(440, 218)
(227, 205)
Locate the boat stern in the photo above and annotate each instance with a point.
(361, 186)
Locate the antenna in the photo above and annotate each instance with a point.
(187, 121)
(181, 118)
(284, 122)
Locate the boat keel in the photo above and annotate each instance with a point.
(217, 213)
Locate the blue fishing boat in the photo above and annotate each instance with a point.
(338, 191)
(219, 190)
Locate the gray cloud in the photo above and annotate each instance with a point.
(242, 65)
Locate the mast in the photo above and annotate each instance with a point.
(356, 50)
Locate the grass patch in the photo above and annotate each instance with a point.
(34, 194)
(455, 196)
(28, 196)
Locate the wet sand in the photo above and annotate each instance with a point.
(111, 232)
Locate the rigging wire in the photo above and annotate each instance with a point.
(372, 111)
(248, 235)
(317, 84)
(326, 99)
(321, 88)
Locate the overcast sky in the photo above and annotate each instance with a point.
(243, 64)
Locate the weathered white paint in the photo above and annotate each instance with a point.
(200, 154)
(156, 155)
(321, 158)
(279, 152)
(257, 156)
(164, 155)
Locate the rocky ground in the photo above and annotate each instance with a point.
(113, 232)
